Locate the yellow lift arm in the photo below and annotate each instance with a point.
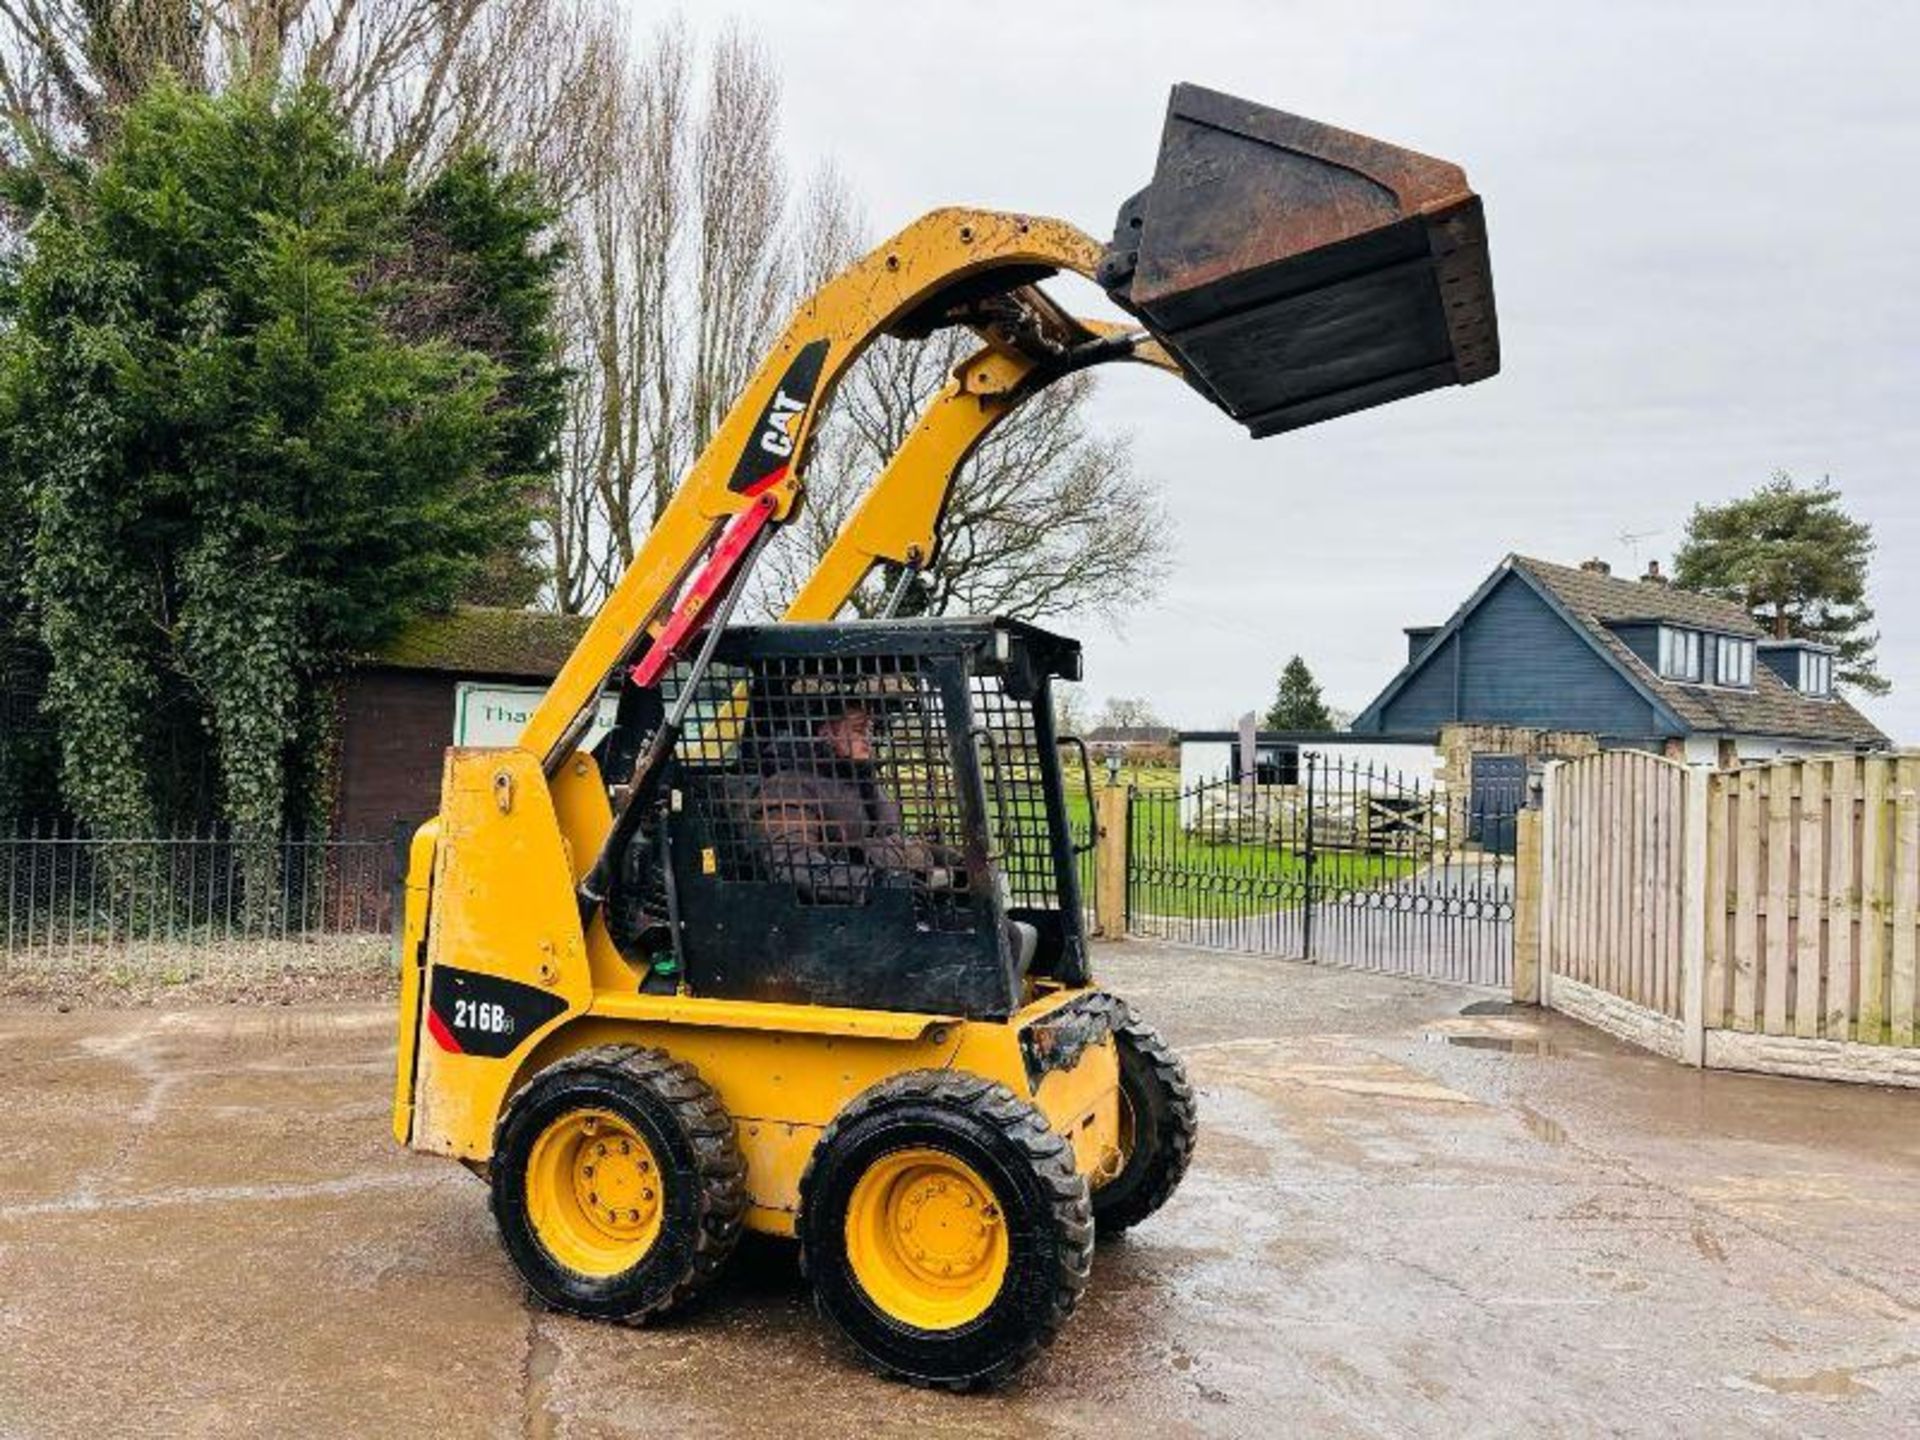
(761, 449)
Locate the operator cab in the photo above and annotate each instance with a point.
(868, 814)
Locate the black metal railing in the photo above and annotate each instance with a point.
(1344, 862)
(72, 899)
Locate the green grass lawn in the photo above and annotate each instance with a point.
(1184, 875)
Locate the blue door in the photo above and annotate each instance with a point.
(1497, 793)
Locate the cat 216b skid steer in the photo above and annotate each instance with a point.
(798, 946)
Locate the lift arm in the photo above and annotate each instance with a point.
(762, 447)
(1290, 271)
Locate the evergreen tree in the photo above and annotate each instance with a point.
(1797, 562)
(1297, 704)
(244, 447)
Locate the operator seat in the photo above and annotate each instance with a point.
(1025, 940)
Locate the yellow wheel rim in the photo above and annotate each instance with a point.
(594, 1192)
(926, 1239)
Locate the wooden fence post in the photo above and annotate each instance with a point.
(1110, 859)
(1694, 913)
(1526, 908)
(1549, 872)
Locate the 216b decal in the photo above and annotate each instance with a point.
(478, 1015)
(469, 1013)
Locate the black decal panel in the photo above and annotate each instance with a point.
(474, 1014)
(769, 453)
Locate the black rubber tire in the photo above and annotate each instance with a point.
(1166, 1121)
(1042, 1197)
(702, 1175)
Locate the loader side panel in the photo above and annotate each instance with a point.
(412, 959)
(506, 958)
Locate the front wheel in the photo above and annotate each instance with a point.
(617, 1184)
(1159, 1122)
(945, 1229)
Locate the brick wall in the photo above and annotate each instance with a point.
(395, 727)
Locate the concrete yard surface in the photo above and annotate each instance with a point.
(1414, 1211)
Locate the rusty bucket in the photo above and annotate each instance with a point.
(1299, 272)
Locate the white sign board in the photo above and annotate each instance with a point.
(495, 714)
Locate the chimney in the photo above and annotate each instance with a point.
(1653, 575)
(1596, 566)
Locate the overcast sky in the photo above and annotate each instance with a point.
(1702, 226)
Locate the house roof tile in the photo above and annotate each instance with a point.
(1771, 707)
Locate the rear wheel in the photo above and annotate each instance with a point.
(945, 1229)
(1159, 1122)
(617, 1184)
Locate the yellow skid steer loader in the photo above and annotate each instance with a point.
(799, 946)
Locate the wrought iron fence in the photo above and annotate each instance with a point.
(186, 901)
(1333, 860)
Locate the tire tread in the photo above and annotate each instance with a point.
(721, 1170)
(1053, 1163)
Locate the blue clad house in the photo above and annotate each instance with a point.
(1636, 663)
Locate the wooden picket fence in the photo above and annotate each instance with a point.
(1766, 917)
(1813, 874)
(1617, 838)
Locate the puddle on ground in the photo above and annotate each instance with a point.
(1494, 1007)
(1541, 1127)
(1505, 1044)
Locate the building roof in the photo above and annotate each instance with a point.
(1772, 707)
(1611, 600)
(1593, 603)
(1309, 737)
(485, 640)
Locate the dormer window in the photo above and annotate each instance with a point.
(1816, 673)
(1806, 665)
(1679, 654)
(1733, 664)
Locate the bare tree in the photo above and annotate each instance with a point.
(419, 80)
(1127, 713)
(688, 255)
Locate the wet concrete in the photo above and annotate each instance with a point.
(1414, 1211)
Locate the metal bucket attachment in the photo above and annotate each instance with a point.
(1298, 272)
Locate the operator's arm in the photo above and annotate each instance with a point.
(790, 820)
(887, 846)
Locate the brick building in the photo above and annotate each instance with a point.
(468, 677)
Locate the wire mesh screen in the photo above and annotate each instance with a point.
(1010, 767)
(832, 774)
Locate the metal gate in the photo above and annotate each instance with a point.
(1353, 864)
